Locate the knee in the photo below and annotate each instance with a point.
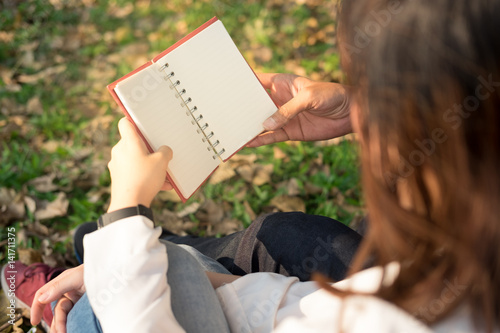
(279, 221)
(290, 225)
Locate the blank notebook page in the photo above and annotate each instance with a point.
(162, 120)
(222, 86)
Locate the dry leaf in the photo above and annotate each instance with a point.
(44, 183)
(38, 229)
(55, 259)
(190, 209)
(263, 53)
(22, 236)
(319, 159)
(224, 172)
(17, 325)
(48, 210)
(249, 210)
(336, 141)
(169, 196)
(121, 33)
(359, 224)
(278, 153)
(246, 172)
(339, 198)
(294, 67)
(14, 124)
(34, 106)
(292, 187)
(43, 74)
(17, 329)
(50, 146)
(242, 193)
(241, 159)
(13, 88)
(58, 4)
(263, 174)
(227, 226)
(210, 212)
(6, 74)
(97, 194)
(27, 59)
(83, 153)
(312, 189)
(49, 256)
(6, 37)
(29, 256)
(312, 23)
(30, 204)
(11, 205)
(287, 203)
(120, 11)
(181, 27)
(170, 221)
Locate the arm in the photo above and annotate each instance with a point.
(218, 279)
(128, 279)
(309, 110)
(125, 264)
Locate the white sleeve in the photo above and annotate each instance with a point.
(125, 278)
(267, 302)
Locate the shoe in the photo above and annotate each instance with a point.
(87, 228)
(21, 282)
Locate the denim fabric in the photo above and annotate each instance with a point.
(194, 302)
(81, 318)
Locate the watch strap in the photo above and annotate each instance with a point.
(119, 214)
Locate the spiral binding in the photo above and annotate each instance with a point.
(193, 112)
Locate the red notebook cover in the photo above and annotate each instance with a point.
(112, 86)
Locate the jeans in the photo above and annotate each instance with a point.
(194, 302)
(291, 244)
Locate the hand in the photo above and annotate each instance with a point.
(136, 175)
(309, 110)
(68, 288)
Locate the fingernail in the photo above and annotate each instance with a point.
(43, 297)
(269, 124)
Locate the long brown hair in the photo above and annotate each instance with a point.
(428, 89)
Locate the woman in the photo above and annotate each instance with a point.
(428, 93)
(426, 104)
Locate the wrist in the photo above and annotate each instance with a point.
(123, 213)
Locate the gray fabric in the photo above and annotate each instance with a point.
(194, 302)
(208, 264)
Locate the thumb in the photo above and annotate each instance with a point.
(286, 112)
(166, 153)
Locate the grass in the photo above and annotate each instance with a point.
(48, 122)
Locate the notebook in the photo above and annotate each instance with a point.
(199, 97)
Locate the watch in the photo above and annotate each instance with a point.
(119, 214)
